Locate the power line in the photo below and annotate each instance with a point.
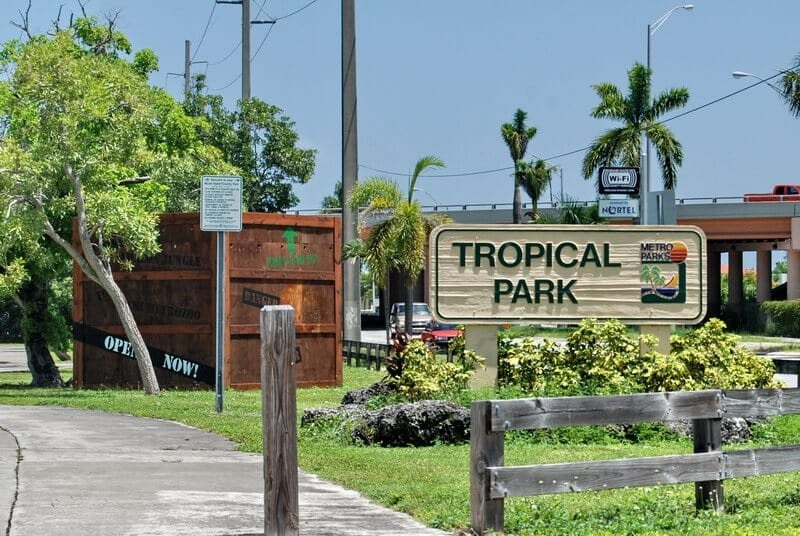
(205, 30)
(586, 148)
(262, 43)
(295, 12)
(223, 60)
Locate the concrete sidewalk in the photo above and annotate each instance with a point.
(67, 472)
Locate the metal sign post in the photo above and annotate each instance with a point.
(220, 211)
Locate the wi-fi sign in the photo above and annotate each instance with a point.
(619, 180)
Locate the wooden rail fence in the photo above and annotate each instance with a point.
(365, 352)
(491, 482)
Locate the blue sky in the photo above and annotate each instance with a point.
(439, 77)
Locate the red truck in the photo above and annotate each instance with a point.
(781, 192)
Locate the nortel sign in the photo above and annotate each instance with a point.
(496, 274)
(617, 180)
(618, 208)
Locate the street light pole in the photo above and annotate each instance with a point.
(645, 157)
(742, 74)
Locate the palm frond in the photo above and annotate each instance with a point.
(669, 152)
(423, 163)
(603, 151)
(790, 88)
(667, 101)
(612, 103)
(638, 93)
(373, 194)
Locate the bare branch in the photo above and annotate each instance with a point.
(24, 25)
(57, 22)
(102, 46)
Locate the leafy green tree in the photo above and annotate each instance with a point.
(536, 179)
(334, 201)
(80, 124)
(639, 116)
(516, 135)
(396, 240)
(261, 142)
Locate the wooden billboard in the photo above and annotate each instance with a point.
(275, 259)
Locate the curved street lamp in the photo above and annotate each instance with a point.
(651, 29)
(436, 203)
(742, 74)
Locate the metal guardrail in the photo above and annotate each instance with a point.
(453, 207)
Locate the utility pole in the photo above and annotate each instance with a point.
(187, 63)
(245, 50)
(351, 269)
(246, 22)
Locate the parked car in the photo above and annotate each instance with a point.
(440, 335)
(421, 316)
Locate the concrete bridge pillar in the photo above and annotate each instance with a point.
(735, 282)
(793, 275)
(763, 275)
(713, 282)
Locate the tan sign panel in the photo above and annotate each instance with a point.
(495, 274)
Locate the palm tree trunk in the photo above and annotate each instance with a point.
(517, 201)
(409, 306)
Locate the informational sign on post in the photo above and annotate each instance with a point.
(220, 203)
(220, 211)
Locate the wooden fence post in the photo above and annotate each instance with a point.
(279, 414)
(708, 438)
(486, 450)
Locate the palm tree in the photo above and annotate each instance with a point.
(790, 87)
(517, 135)
(621, 145)
(397, 241)
(536, 178)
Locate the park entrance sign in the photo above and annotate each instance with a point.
(497, 274)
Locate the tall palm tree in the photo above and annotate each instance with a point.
(536, 178)
(790, 87)
(621, 145)
(517, 135)
(397, 241)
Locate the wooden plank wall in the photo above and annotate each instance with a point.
(275, 259)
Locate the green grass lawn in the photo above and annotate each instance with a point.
(432, 483)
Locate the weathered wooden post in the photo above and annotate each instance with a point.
(487, 449)
(708, 438)
(279, 414)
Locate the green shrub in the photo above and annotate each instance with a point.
(424, 376)
(783, 317)
(601, 358)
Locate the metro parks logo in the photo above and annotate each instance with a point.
(663, 272)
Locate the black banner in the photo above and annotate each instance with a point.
(164, 360)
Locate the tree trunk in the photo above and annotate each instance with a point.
(142, 354)
(517, 212)
(34, 296)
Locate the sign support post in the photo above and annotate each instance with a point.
(220, 211)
